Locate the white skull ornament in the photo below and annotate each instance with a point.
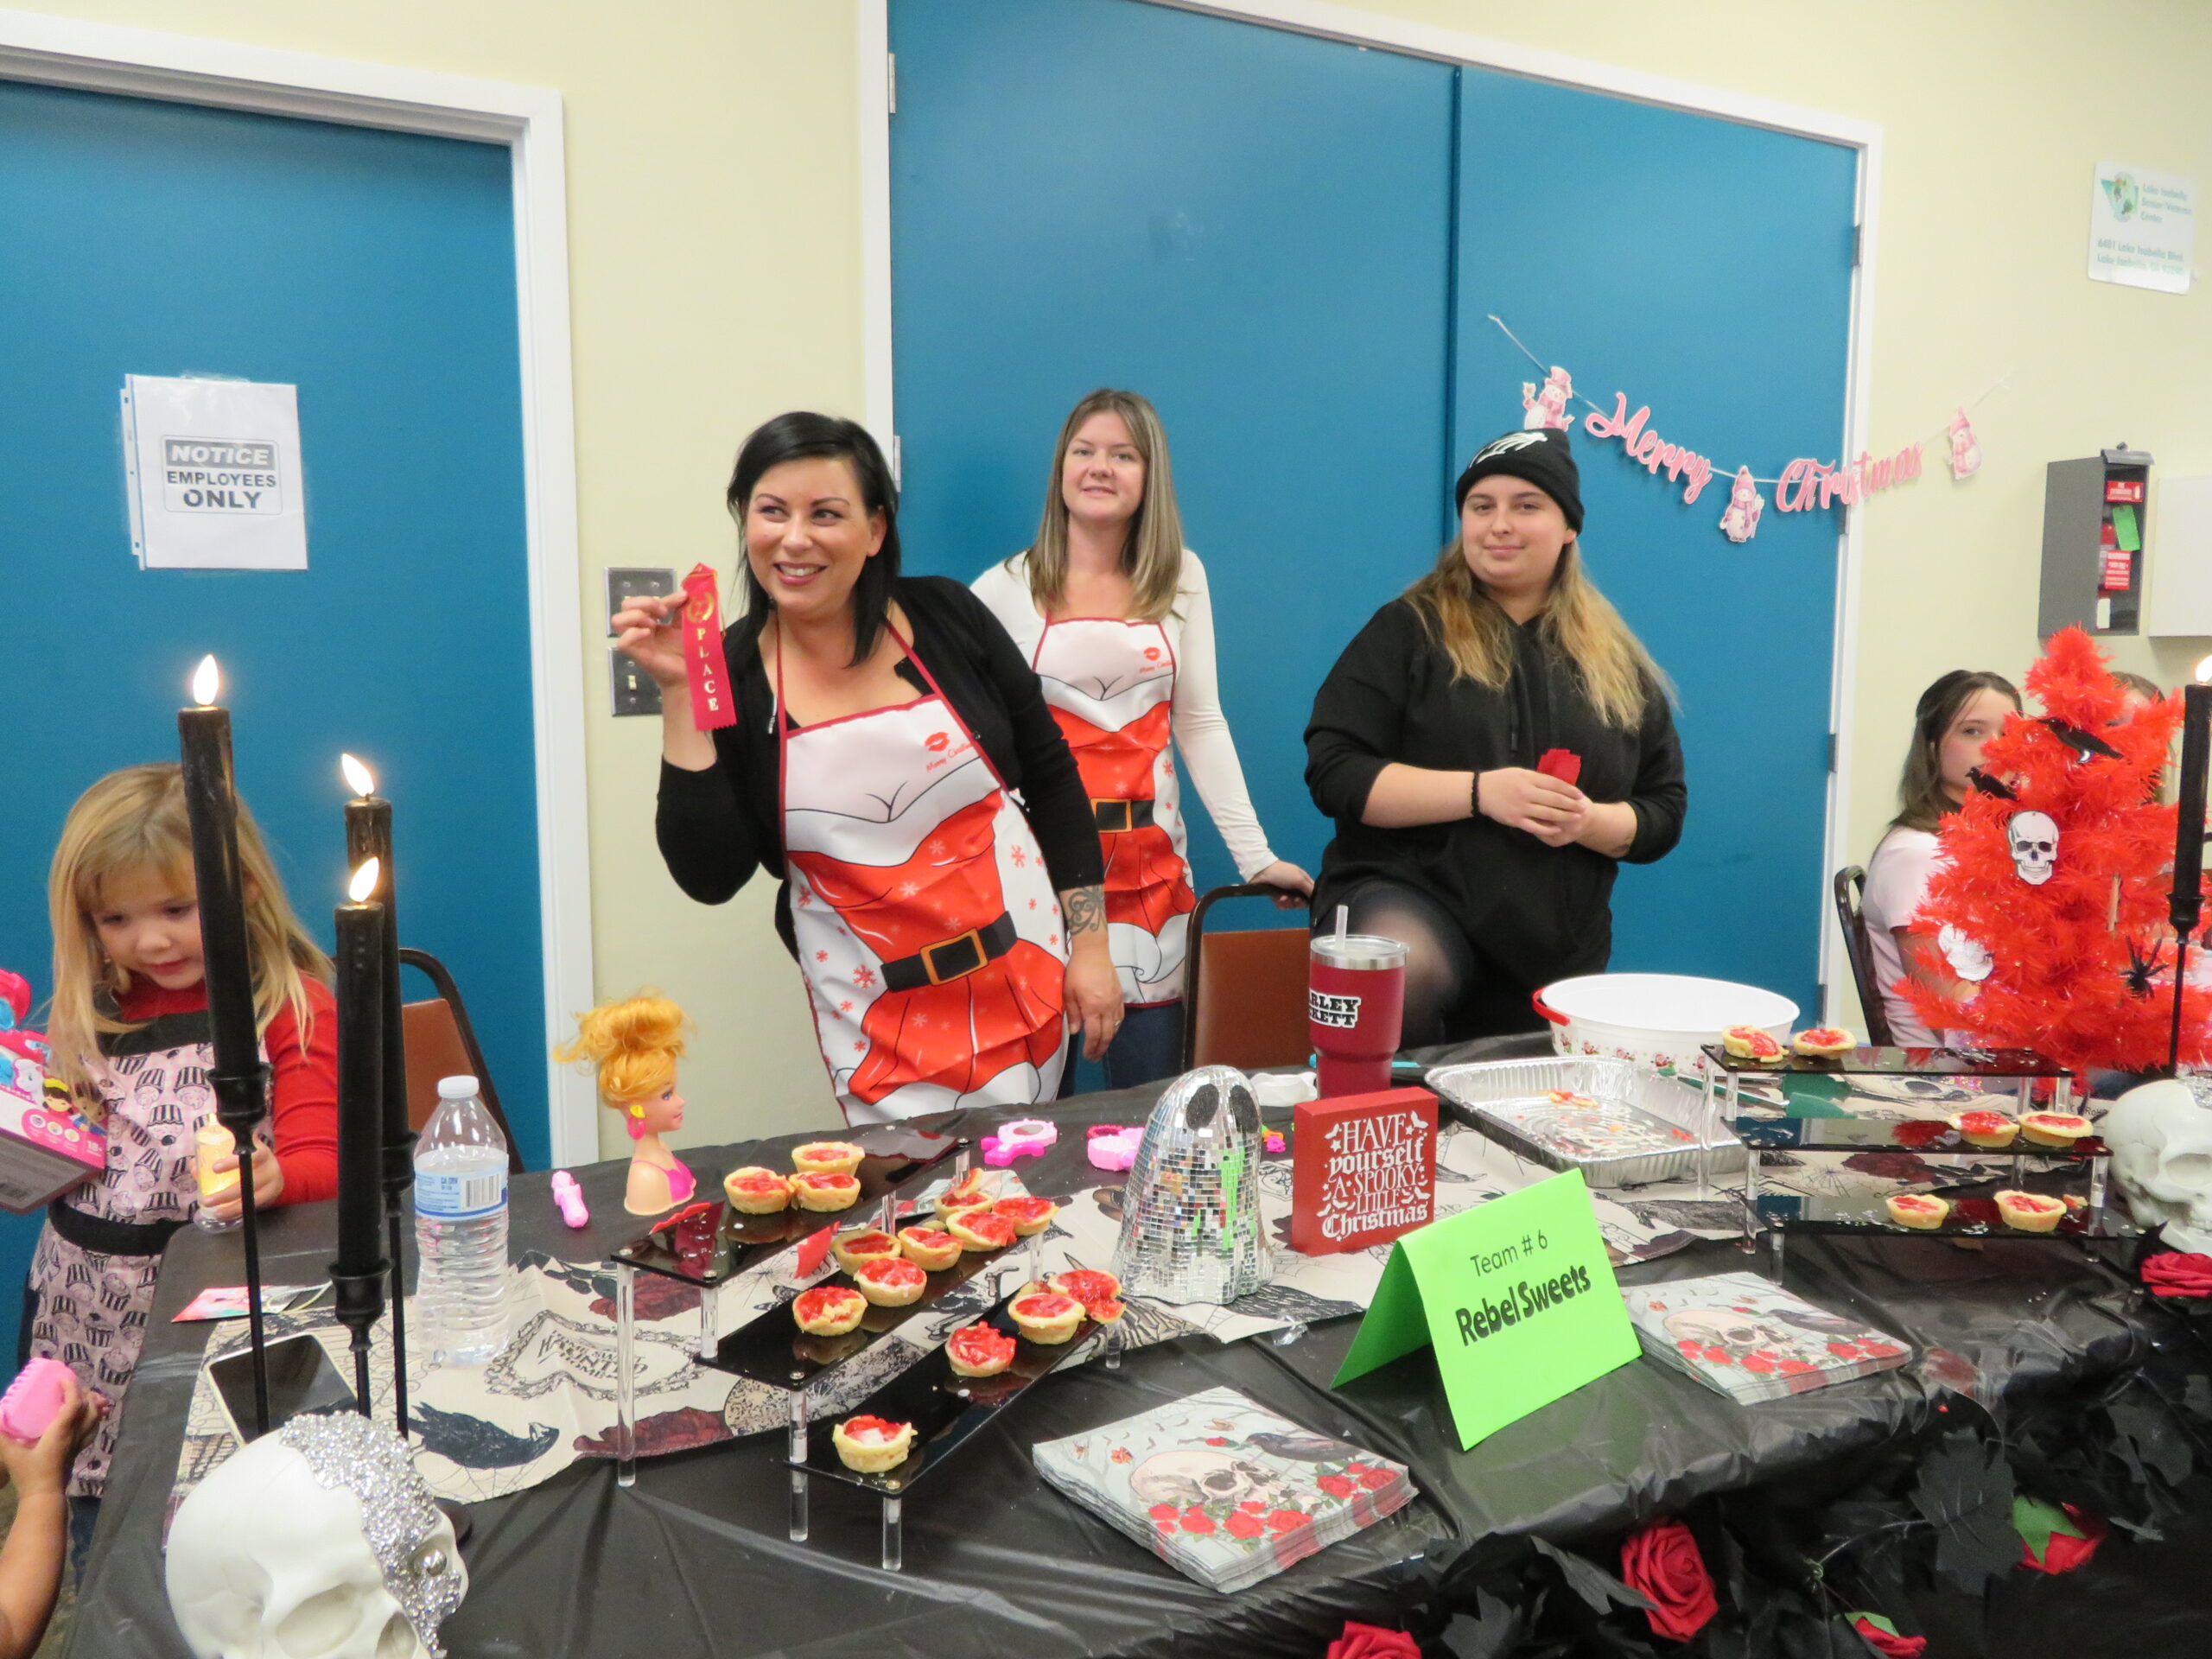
(2161, 1142)
(318, 1542)
(2034, 838)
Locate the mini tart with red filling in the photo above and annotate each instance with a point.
(1043, 1315)
(2030, 1212)
(1099, 1292)
(826, 1158)
(867, 1244)
(980, 1229)
(1918, 1209)
(1983, 1128)
(891, 1281)
(1029, 1216)
(754, 1191)
(824, 1192)
(973, 1191)
(929, 1248)
(979, 1350)
(1750, 1043)
(829, 1310)
(872, 1445)
(2054, 1128)
(1823, 1042)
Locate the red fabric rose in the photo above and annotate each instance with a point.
(1372, 1642)
(2064, 1551)
(1198, 1521)
(1242, 1523)
(1661, 1560)
(2177, 1273)
(1883, 1638)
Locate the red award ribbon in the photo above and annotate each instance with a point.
(704, 667)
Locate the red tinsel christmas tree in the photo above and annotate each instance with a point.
(2082, 962)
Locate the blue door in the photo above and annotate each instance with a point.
(1703, 267)
(376, 271)
(1247, 225)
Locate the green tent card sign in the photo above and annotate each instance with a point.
(1516, 1296)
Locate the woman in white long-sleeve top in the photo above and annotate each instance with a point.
(1113, 613)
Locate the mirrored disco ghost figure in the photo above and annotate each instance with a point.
(1191, 1226)
(318, 1542)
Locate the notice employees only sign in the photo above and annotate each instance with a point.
(214, 473)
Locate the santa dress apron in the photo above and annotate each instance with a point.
(93, 1274)
(926, 922)
(1112, 686)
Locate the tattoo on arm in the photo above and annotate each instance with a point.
(1085, 910)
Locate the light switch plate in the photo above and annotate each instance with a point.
(627, 582)
(636, 692)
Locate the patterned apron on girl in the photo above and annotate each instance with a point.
(1112, 686)
(90, 1305)
(926, 922)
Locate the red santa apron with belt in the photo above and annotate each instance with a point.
(1112, 686)
(926, 922)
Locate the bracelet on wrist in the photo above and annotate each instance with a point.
(1474, 794)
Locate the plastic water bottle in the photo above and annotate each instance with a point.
(460, 1224)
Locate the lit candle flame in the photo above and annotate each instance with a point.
(358, 778)
(2204, 671)
(206, 683)
(365, 880)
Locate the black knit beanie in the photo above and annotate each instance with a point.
(1541, 457)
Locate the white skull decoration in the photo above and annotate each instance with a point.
(2161, 1142)
(318, 1542)
(2034, 836)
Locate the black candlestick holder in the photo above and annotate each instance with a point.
(240, 1104)
(398, 1180)
(360, 1301)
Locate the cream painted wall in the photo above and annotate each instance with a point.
(715, 240)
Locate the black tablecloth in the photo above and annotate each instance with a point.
(693, 1559)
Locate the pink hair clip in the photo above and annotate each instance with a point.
(1113, 1146)
(1025, 1137)
(571, 1198)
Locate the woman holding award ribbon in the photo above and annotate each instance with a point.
(877, 727)
(1113, 612)
(1493, 745)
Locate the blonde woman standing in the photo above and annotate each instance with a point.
(1428, 735)
(1113, 613)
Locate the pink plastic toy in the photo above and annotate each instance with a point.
(1113, 1146)
(33, 1399)
(1025, 1137)
(571, 1198)
(1270, 1141)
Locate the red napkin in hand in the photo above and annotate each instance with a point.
(1562, 764)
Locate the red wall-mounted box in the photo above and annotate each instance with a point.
(1363, 1170)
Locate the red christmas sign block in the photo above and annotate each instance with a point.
(1363, 1170)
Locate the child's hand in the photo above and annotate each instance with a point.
(268, 1185)
(43, 1470)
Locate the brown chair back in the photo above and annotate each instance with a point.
(1850, 912)
(1244, 993)
(440, 1043)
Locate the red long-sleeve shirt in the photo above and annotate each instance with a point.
(303, 1114)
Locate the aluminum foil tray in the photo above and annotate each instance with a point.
(1639, 1128)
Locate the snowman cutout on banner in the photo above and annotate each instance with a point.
(1966, 450)
(1740, 522)
(1547, 406)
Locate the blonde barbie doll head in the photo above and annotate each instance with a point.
(634, 1045)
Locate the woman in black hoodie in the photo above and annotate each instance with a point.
(1492, 745)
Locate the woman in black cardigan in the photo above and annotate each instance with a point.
(1426, 742)
(893, 762)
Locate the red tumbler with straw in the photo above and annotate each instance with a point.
(1355, 1009)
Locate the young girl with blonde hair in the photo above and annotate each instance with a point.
(1440, 745)
(1113, 613)
(635, 1044)
(130, 1038)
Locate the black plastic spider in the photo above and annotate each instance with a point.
(2141, 972)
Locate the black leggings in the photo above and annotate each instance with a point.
(1453, 993)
